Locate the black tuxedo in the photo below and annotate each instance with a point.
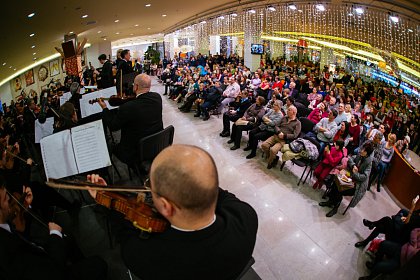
(219, 251)
(21, 260)
(136, 119)
(106, 77)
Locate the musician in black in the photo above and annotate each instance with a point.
(124, 69)
(105, 78)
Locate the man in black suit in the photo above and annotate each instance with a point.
(211, 234)
(105, 78)
(236, 113)
(21, 259)
(124, 69)
(138, 118)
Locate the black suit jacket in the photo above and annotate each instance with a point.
(107, 79)
(136, 119)
(19, 260)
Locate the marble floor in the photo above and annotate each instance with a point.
(295, 240)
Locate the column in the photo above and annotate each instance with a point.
(252, 35)
(96, 50)
(214, 44)
(327, 57)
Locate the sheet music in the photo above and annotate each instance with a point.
(89, 146)
(64, 98)
(58, 156)
(43, 129)
(90, 109)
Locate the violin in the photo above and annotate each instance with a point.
(114, 100)
(18, 207)
(143, 216)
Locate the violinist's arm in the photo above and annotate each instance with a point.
(95, 179)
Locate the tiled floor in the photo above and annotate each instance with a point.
(295, 239)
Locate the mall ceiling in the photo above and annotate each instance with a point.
(112, 20)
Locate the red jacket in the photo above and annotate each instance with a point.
(332, 158)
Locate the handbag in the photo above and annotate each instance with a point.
(342, 185)
(241, 122)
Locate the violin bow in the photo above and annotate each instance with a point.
(80, 185)
(27, 210)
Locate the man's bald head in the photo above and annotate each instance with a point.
(142, 83)
(187, 176)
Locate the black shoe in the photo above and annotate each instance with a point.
(270, 165)
(197, 115)
(378, 189)
(221, 133)
(206, 118)
(332, 212)
(234, 148)
(225, 134)
(165, 94)
(368, 224)
(247, 148)
(275, 161)
(230, 141)
(366, 277)
(251, 155)
(360, 244)
(325, 204)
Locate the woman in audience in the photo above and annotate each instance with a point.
(342, 132)
(330, 160)
(313, 95)
(347, 112)
(396, 255)
(263, 88)
(354, 134)
(402, 145)
(387, 153)
(396, 228)
(314, 103)
(359, 168)
(265, 130)
(250, 120)
(318, 113)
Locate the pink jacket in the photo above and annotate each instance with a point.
(411, 248)
(332, 158)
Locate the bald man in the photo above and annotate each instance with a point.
(136, 119)
(212, 233)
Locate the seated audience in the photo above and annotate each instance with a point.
(235, 113)
(330, 159)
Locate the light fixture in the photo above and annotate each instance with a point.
(14, 69)
(117, 33)
(292, 7)
(359, 11)
(84, 16)
(99, 31)
(203, 22)
(300, 11)
(10, 67)
(32, 35)
(71, 32)
(34, 53)
(33, 47)
(4, 63)
(394, 19)
(148, 28)
(131, 34)
(410, 30)
(320, 7)
(104, 39)
(271, 8)
(164, 15)
(34, 58)
(136, 25)
(221, 17)
(31, 15)
(252, 11)
(148, 5)
(234, 14)
(350, 15)
(117, 20)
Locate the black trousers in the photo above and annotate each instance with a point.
(336, 196)
(258, 134)
(237, 132)
(227, 118)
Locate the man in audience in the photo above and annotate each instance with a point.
(230, 93)
(288, 130)
(341, 116)
(136, 119)
(213, 95)
(211, 234)
(325, 130)
(236, 113)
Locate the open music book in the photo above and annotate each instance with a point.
(90, 109)
(73, 151)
